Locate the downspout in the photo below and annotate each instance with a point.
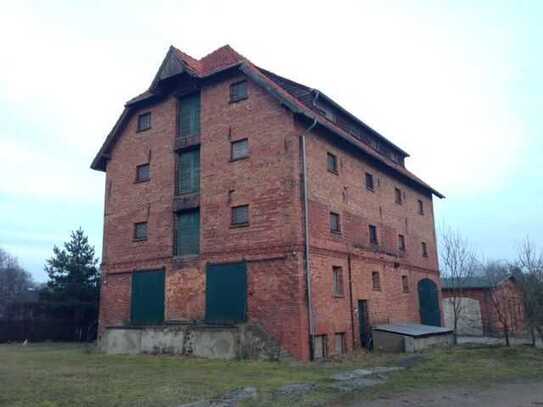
(307, 266)
(351, 298)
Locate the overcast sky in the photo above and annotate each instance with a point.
(456, 84)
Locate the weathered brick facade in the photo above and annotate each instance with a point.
(270, 181)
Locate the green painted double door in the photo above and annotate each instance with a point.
(226, 294)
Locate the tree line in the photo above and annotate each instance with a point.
(71, 293)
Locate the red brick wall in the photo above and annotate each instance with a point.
(269, 181)
(346, 194)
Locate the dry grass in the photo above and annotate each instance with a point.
(58, 375)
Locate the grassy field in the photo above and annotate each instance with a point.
(55, 375)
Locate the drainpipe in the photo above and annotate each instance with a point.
(307, 266)
(351, 298)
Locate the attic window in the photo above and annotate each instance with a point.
(238, 91)
(144, 121)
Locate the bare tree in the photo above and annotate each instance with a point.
(458, 264)
(530, 265)
(14, 280)
(504, 297)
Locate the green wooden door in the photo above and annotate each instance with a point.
(429, 303)
(226, 292)
(148, 297)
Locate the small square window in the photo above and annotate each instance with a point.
(239, 149)
(424, 249)
(240, 215)
(401, 243)
(373, 234)
(140, 231)
(340, 343)
(376, 281)
(405, 284)
(398, 195)
(369, 182)
(238, 91)
(338, 281)
(421, 207)
(335, 225)
(332, 163)
(144, 121)
(143, 173)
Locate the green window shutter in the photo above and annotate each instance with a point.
(190, 115)
(189, 172)
(187, 234)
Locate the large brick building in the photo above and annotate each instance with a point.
(234, 194)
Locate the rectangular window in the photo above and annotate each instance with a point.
(332, 163)
(188, 172)
(320, 347)
(144, 121)
(398, 195)
(240, 215)
(335, 225)
(140, 231)
(369, 182)
(187, 233)
(338, 281)
(421, 207)
(238, 91)
(143, 173)
(405, 284)
(373, 234)
(424, 249)
(376, 281)
(189, 115)
(239, 149)
(401, 243)
(340, 343)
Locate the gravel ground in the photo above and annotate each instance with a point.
(520, 394)
(486, 340)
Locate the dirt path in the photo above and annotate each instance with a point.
(527, 394)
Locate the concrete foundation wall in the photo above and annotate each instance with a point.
(212, 342)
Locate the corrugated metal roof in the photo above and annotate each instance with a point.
(414, 330)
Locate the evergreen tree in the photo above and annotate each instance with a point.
(73, 273)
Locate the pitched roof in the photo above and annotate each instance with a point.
(477, 281)
(295, 96)
(468, 282)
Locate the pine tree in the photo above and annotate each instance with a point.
(73, 273)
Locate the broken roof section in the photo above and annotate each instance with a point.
(297, 97)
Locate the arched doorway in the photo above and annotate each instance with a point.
(429, 303)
